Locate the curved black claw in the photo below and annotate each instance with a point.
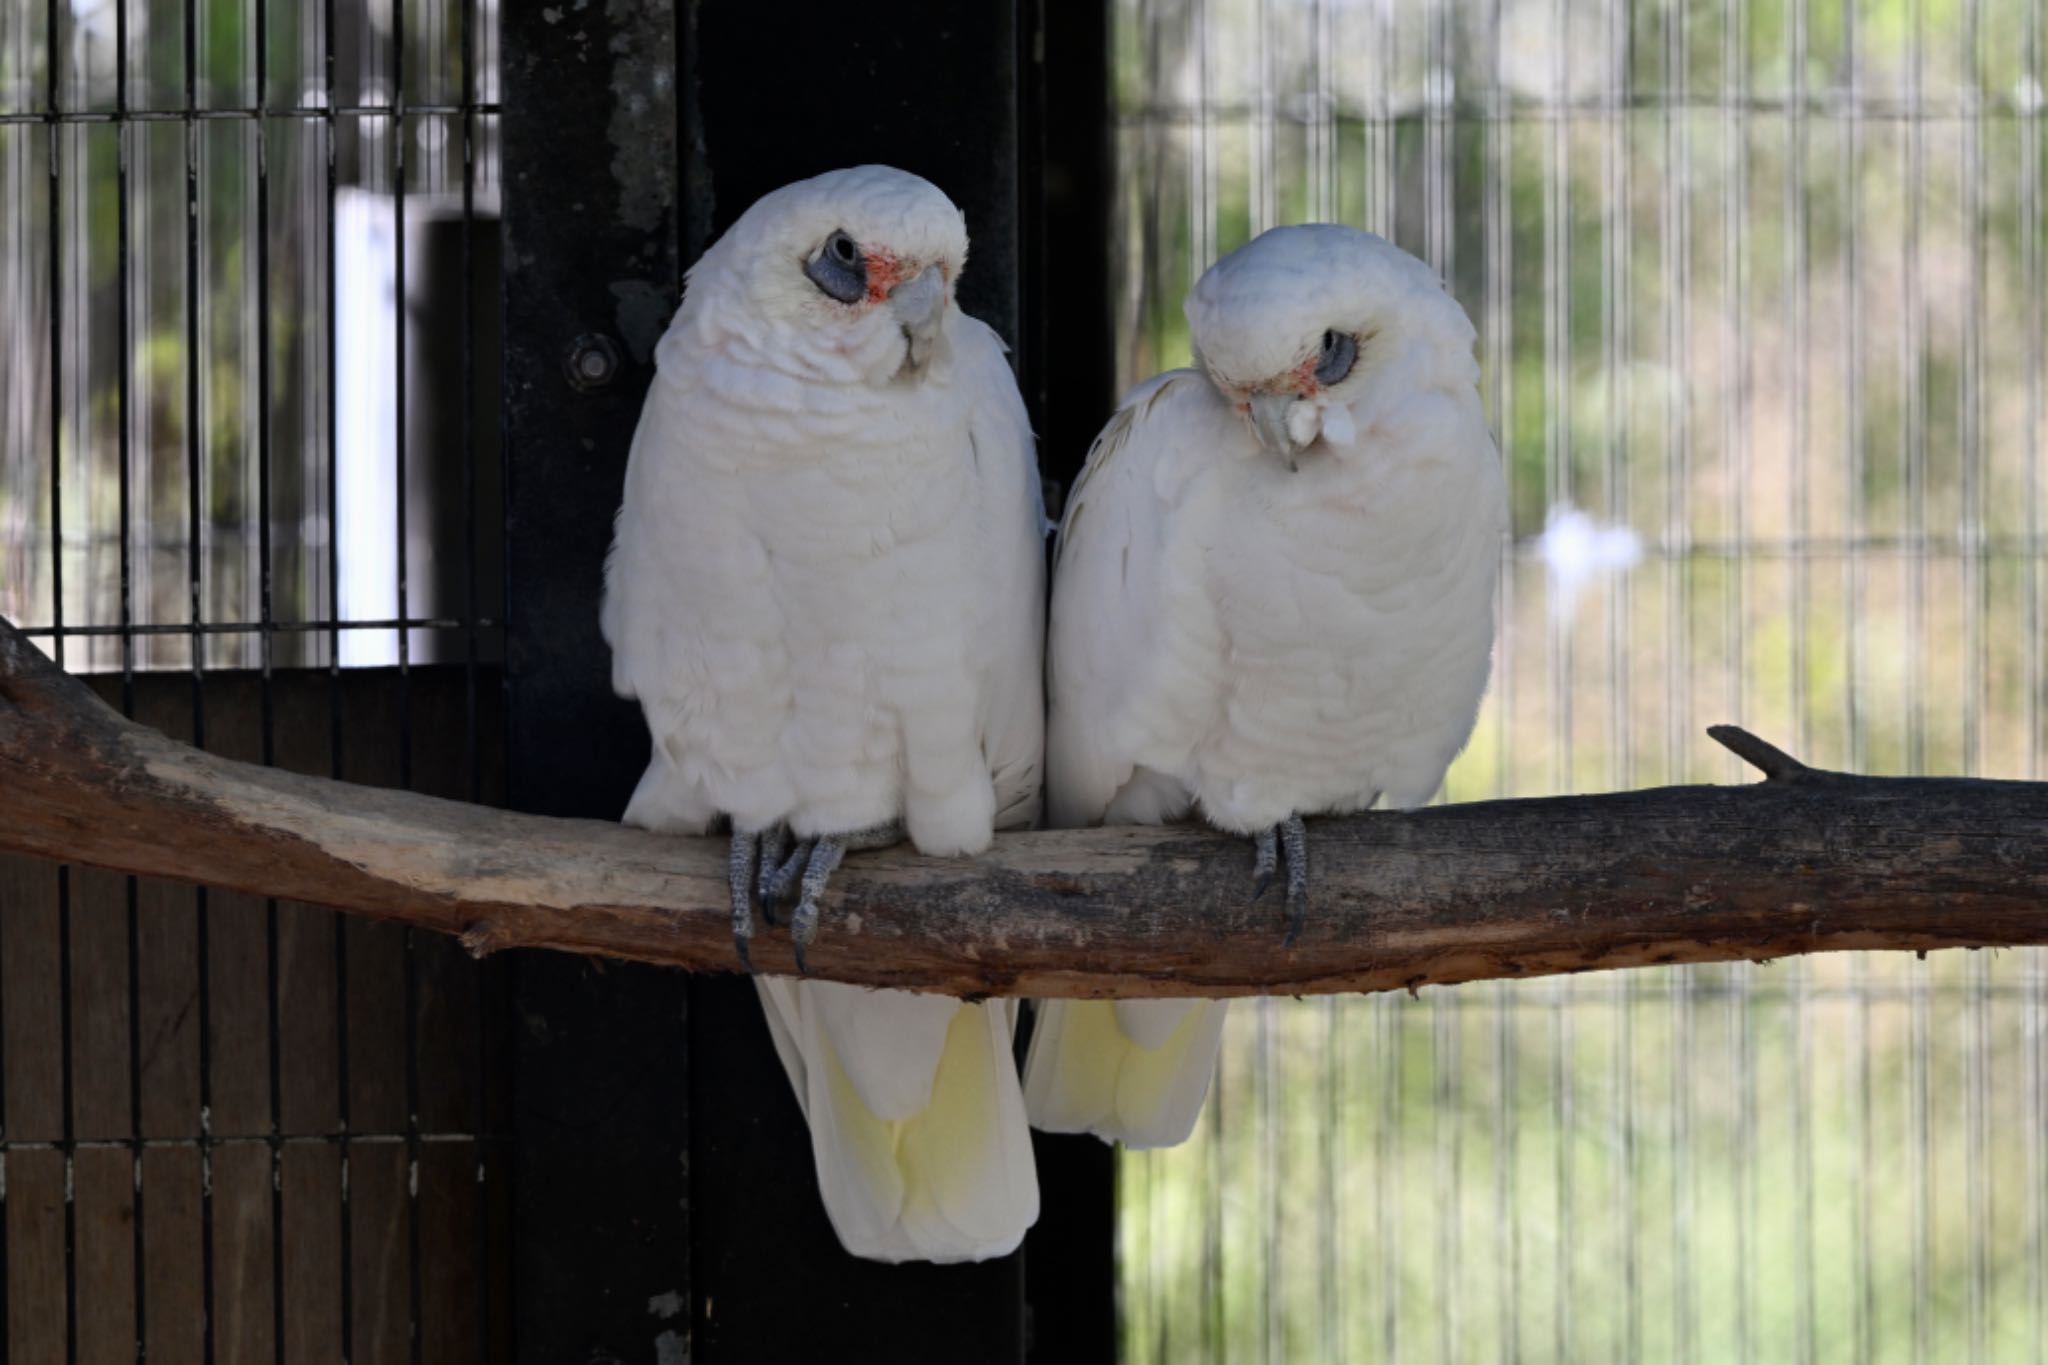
(739, 875)
(803, 925)
(779, 876)
(1265, 860)
(1294, 842)
(816, 861)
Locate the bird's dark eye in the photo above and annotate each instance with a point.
(1340, 353)
(840, 269)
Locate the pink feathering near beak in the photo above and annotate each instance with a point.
(885, 272)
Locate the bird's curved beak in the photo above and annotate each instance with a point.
(1269, 423)
(918, 305)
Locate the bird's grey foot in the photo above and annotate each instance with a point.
(744, 851)
(824, 860)
(774, 884)
(1286, 841)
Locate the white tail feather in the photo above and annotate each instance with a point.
(1129, 1071)
(917, 1122)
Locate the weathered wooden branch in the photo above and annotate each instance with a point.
(1806, 861)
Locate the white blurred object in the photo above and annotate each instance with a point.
(1576, 549)
(366, 422)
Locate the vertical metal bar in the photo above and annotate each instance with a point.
(1805, 1337)
(1322, 190)
(1677, 264)
(1557, 306)
(344, 1213)
(1215, 1342)
(124, 398)
(1864, 1313)
(472, 770)
(1913, 384)
(1741, 999)
(1977, 1159)
(1799, 303)
(400, 131)
(1975, 579)
(1388, 1192)
(1272, 1338)
(1202, 184)
(471, 774)
(2034, 1121)
(266, 644)
(1496, 217)
(1865, 1319)
(1735, 452)
(1383, 147)
(1265, 189)
(1852, 357)
(1735, 413)
(1677, 283)
(1617, 256)
(1616, 251)
(1509, 1247)
(195, 549)
(1920, 1079)
(2031, 229)
(1626, 1195)
(56, 269)
(1557, 345)
(1345, 1030)
(1562, 1119)
(1978, 1174)
(68, 1129)
(1437, 95)
(1447, 1122)
(2028, 209)
(1683, 1297)
(1329, 1246)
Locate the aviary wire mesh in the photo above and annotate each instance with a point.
(1760, 293)
(249, 477)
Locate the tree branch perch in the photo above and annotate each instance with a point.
(1803, 862)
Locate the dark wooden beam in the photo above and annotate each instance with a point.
(1806, 861)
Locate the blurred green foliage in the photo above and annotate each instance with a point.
(1762, 281)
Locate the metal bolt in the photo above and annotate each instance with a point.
(592, 361)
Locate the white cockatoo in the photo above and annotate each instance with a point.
(827, 591)
(1273, 597)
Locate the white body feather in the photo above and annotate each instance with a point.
(826, 592)
(1255, 642)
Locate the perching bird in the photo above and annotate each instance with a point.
(827, 591)
(1272, 597)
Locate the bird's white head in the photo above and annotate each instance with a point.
(1308, 329)
(848, 275)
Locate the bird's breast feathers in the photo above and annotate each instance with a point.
(1328, 630)
(790, 589)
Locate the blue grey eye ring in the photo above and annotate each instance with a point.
(1340, 353)
(840, 269)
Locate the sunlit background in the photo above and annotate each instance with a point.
(1759, 287)
(227, 307)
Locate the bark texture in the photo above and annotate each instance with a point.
(1805, 861)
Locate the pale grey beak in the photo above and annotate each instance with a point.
(918, 306)
(1269, 424)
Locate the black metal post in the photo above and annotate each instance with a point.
(601, 1066)
(614, 179)
(934, 90)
